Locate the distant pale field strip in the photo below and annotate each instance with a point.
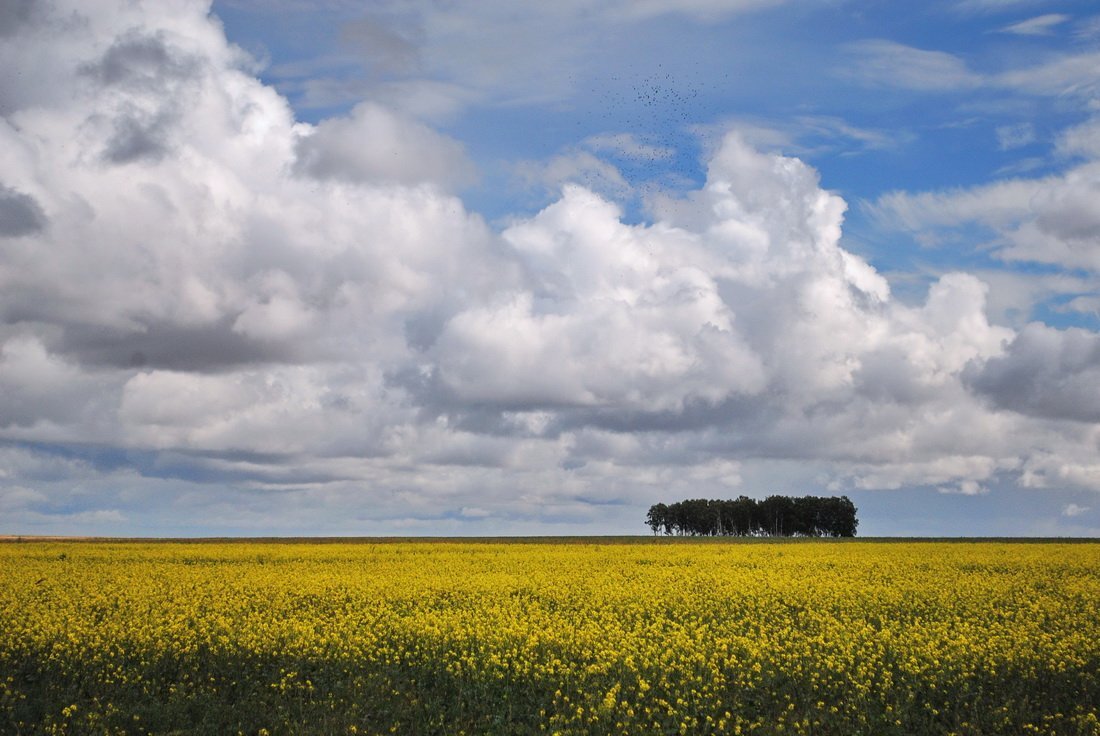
(634, 637)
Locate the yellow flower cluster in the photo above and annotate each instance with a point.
(642, 637)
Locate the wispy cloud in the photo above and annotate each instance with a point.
(965, 488)
(627, 145)
(994, 6)
(577, 167)
(1042, 25)
(1065, 75)
(1014, 136)
(808, 135)
(1073, 509)
(1087, 28)
(887, 63)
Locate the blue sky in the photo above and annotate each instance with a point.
(425, 268)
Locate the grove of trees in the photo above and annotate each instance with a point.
(775, 516)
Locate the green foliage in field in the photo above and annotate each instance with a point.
(483, 638)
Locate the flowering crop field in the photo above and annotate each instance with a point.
(637, 637)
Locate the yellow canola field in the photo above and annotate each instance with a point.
(646, 637)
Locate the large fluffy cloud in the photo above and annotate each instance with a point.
(1046, 372)
(226, 298)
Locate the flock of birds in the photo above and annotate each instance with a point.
(657, 115)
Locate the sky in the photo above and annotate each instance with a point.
(294, 267)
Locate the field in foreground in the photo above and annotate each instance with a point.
(493, 638)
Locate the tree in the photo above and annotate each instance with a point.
(775, 516)
(656, 518)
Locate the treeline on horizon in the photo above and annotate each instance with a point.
(775, 516)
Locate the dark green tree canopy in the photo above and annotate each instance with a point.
(775, 516)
